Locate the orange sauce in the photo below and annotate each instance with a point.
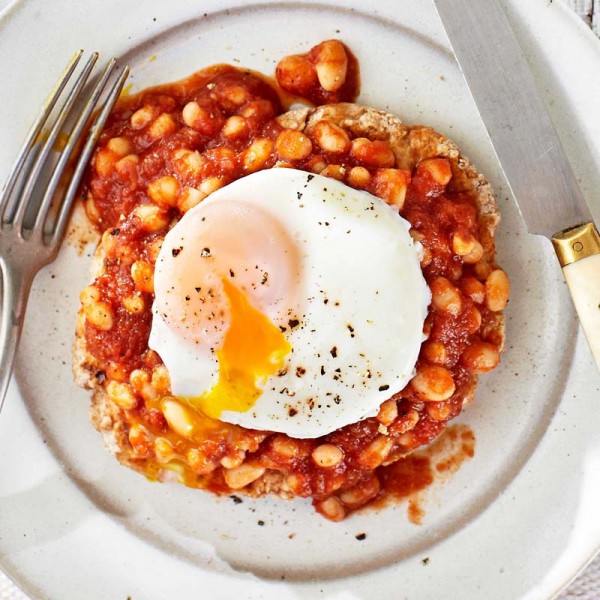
(408, 478)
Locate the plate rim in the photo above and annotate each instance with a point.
(15, 5)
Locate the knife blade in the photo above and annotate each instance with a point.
(527, 146)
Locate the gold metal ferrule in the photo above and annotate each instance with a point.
(576, 243)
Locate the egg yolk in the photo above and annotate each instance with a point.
(253, 350)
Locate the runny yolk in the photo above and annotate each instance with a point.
(253, 350)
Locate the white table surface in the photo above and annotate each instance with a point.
(587, 585)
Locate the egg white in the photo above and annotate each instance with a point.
(363, 301)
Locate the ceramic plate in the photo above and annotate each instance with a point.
(516, 521)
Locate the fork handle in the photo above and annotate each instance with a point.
(15, 288)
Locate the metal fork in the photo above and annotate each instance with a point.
(33, 215)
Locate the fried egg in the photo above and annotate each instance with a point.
(289, 302)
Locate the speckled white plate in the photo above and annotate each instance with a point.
(517, 521)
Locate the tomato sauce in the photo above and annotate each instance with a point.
(159, 141)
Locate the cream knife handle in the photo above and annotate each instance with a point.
(578, 250)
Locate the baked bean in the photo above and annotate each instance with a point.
(437, 169)
(126, 167)
(497, 290)
(194, 116)
(148, 393)
(188, 163)
(473, 288)
(327, 455)
(439, 411)
(255, 157)
(417, 236)
(163, 450)
(376, 452)
(163, 126)
(283, 164)
(473, 319)
(334, 481)
(428, 325)
(99, 314)
(233, 460)
(408, 440)
(406, 422)
(140, 441)
(383, 429)
(330, 137)
(188, 198)
(152, 217)
(295, 483)
(454, 271)
(316, 164)
(427, 257)
(373, 153)
(109, 243)
(433, 383)
(113, 249)
(104, 162)
(359, 177)
(121, 146)
(463, 243)
(89, 295)
(259, 110)
(361, 493)
(224, 159)
(121, 395)
(142, 274)
(199, 462)
(235, 127)
(331, 65)
(138, 378)
(116, 372)
(153, 249)
(211, 184)
(334, 171)
(141, 117)
(445, 297)
(482, 269)
(91, 208)
(161, 380)
(390, 185)
(388, 412)
(296, 74)
(163, 191)
(243, 475)
(331, 508)
(475, 255)
(134, 304)
(252, 443)
(285, 447)
(178, 417)
(231, 97)
(293, 145)
(481, 357)
(151, 358)
(434, 352)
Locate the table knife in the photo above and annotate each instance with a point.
(528, 147)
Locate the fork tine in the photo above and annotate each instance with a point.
(34, 175)
(94, 134)
(35, 131)
(74, 139)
